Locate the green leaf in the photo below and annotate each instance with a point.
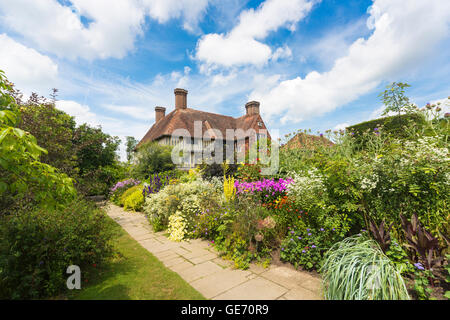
(3, 187)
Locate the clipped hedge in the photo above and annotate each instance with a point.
(393, 125)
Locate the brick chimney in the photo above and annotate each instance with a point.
(180, 98)
(252, 108)
(160, 112)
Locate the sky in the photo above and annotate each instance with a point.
(311, 64)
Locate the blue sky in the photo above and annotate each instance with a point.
(312, 64)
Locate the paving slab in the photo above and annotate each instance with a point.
(255, 289)
(219, 282)
(174, 261)
(199, 271)
(289, 278)
(301, 294)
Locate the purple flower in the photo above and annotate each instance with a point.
(419, 266)
(309, 234)
(321, 229)
(292, 232)
(303, 251)
(313, 246)
(299, 238)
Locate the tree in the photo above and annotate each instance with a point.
(94, 147)
(394, 98)
(152, 158)
(54, 130)
(97, 160)
(22, 175)
(131, 145)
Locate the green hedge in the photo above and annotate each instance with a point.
(393, 125)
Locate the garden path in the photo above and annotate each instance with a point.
(199, 264)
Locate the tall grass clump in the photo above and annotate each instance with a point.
(357, 269)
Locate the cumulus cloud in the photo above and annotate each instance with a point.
(25, 67)
(190, 10)
(241, 46)
(91, 29)
(403, 35)
(81, 112)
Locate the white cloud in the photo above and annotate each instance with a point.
(190, 10)
(404, 34)
(142, 113)
(111, 29)
(81, 112)
(282, 53)
(29, 70)
(241, 46)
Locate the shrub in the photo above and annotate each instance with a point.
(158, 181)
(217, 170)
(133, 198)
(306, 247)
(357, 269)
(183, 197)
(248, 172)
(37, 246)
(152, 158)
(120, 187)
(129, 192)
(244, 231)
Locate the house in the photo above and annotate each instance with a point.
(203, 131)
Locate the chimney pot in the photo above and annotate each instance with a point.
(180, 98)
(252, 108)
(160, 112)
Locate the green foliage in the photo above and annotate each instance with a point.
(392, 125)
(183, 197)
(357, 269)
(244, 232)
(217, 170)
(248, 172)
(306, 247)
(133, 198)
(53, 130)
(399, 257)
(152, 158)
(128, 192)
(37, 246)
(422, 283)
(131, 144)
(23, 177)
(394, 98)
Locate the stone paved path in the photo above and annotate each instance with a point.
(199, 264)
